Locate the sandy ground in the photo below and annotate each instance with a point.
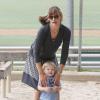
(30, 32)
(70, 91)
(34, 32)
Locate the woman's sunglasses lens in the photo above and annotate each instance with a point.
(55, 17)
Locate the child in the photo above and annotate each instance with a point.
(51, 91)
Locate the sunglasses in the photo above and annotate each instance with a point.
(55, 17)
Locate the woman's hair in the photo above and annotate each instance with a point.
(48, 64)
(52, 11)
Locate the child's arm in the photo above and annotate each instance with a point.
(41, 88)
(56, 88)
(46, 89)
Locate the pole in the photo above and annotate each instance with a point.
(80, 33)
(70, 18)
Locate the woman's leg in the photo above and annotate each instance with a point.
(36, 95)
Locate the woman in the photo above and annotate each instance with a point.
(47, 42)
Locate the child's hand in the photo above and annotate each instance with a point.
(48, 89)
(56, 89)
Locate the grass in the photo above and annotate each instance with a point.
(24, 13)
(27, 40)
(15, 40)
(83, 69)
(90, 70)
(88, 41)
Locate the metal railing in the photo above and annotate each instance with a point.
(19, 53)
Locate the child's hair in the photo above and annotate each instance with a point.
(49, 63)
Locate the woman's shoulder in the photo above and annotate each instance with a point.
(43, 30)
(64, 28)
(44, 27)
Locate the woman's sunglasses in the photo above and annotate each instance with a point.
(54, 17)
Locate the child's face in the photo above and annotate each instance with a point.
(49, 71)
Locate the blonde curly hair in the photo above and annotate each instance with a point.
(49, 63)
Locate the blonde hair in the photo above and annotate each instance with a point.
(48, 64)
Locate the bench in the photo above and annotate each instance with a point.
(5, 77)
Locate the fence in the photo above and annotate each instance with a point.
(90, 55)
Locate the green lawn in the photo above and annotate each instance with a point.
(16, 40)
(26, 40)
(24, 13)
(88, 41)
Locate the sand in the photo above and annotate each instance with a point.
(33, 32)
(71, 90)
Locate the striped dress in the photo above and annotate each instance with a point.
(44, 49)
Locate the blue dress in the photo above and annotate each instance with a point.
(44, 49)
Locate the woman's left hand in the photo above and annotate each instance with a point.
(58, 74)
(57, 79)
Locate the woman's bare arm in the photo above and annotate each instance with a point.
(61, 68)
(39, 68)
(42, 76)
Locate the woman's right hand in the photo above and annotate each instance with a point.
(42, 76)
(42, 79)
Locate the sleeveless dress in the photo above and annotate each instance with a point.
(44, 49)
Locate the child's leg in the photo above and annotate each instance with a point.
(58, 96)
(36, 95)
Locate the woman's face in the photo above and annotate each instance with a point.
(55, 19)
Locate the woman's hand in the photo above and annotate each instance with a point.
(58, 75)
(42, 76)
(57, 79)
(42, 79)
